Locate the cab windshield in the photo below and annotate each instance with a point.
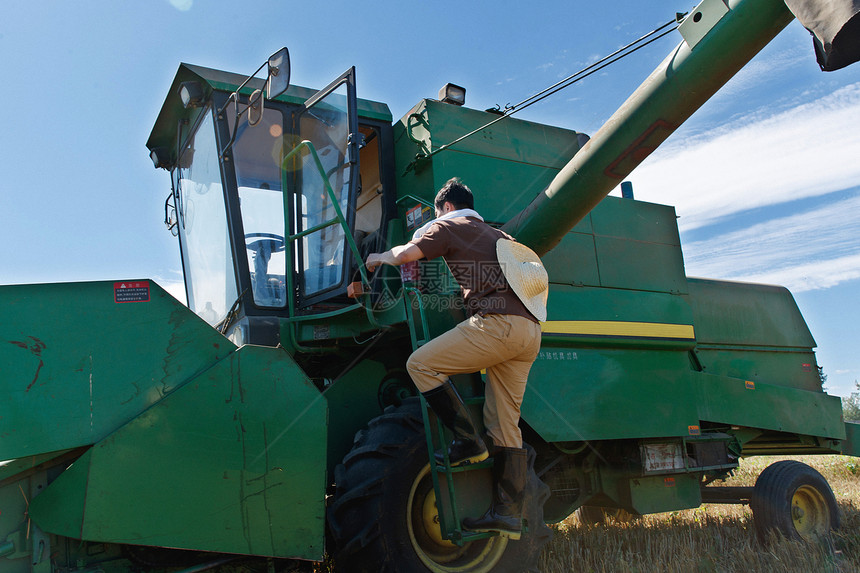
(258, 153)
(204, 239)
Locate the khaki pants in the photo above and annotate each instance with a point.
(503, 344)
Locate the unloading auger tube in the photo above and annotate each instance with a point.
(726, 39)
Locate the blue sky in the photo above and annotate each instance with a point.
(765, 177)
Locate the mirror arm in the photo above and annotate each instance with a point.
(236, 93)
(234, 97)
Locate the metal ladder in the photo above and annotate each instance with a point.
(446, 500)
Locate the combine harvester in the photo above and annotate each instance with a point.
(271, 422)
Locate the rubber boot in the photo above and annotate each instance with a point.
(467, 446)
(510, 475)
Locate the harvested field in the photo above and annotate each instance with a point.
(713, 538)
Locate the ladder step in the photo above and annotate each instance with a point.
(488, 463)
(462, 536)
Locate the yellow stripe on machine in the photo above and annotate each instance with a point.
(616, 328)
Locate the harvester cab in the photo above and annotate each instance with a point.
(271, 209)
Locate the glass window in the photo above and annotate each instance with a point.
(209, 271)
(325, 125)
(368, 209)
(258, 153)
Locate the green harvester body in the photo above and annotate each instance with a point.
(139, 431)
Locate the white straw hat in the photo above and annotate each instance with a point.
(526, 275)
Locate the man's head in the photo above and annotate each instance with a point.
(455, 193)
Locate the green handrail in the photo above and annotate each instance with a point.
(414, 198)
(410, 321)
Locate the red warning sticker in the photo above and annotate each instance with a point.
(417, 216)
(131, 291)
(669, 482)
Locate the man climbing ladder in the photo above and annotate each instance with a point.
(505, 290)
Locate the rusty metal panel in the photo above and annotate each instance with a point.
(234, 462)
(81, 359)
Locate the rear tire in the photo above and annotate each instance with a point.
(382, 515)
(794, 500)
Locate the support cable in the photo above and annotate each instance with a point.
(615, 56)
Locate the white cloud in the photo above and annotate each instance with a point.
(809, 150)
(813, 275)
(182, 5)
(810, 250)
(763, 163)
(759, 71)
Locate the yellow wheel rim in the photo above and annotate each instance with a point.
(810, 513)
(440, 555)
(430, 521)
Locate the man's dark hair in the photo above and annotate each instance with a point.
(456, 193)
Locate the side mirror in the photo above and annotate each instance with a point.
(279, 73)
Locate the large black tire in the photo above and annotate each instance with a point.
(794, 500)
(378, 517)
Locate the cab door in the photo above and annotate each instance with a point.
(322, 179)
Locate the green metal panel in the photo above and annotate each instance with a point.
(603, 394)
(30, 464)
(640, 265)
(502, 187)
(234, 461)
(346, 325)
(574, 262)
(636, 221)
(737, 402)
(744, 313)
(753, 332)
(504, 164)
(851, 445)
(638, 246)
(622, 244)
(655, 494)
(77, 364)
(783, 367)
(510, 139)
(60, 508)
(600, 304)
(353, 399)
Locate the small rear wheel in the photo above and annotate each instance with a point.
(794, 500)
